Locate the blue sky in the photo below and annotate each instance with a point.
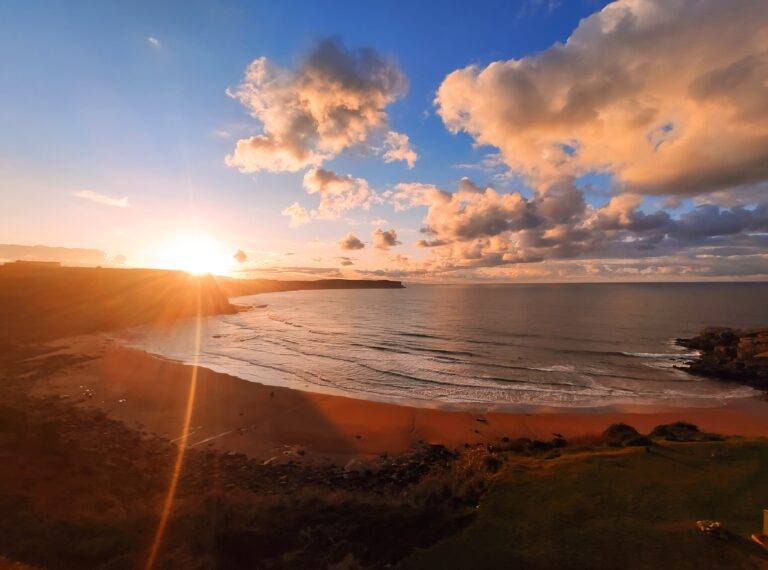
(128, 100)
(92, 104)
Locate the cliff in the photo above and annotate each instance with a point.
(241, 287)
(42, 302)
(739, 355)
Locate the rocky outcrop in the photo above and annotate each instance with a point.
(683, 432)
(739, 355)
(623, 435)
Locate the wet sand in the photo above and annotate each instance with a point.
(232, 414)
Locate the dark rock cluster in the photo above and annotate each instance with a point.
(739, 355)
(623, 435)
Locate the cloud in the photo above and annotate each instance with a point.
(478, 228)
(346, 261)
(154, 42)
(338, 193)
(412, 194)
(118, 260)
(397, 146)
(740, 196)
(299, 215)
(64, 255)
(240, 256)
(351, 242)
(335, 100)
(683, 267)
(669, 96)
(472, 212)
(290, 271)
(102, 199)
(531, 7)
(385, 239)
(709, 220)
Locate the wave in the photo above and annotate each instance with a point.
(663, 355)
(555, 368)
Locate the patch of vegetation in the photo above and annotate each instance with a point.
(628, 508)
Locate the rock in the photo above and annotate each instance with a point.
(558, 441)
(619, 435)
(639, 441)
(683, 432)
(712, 528)
(739, 355)
(359, 465)
(537, 445)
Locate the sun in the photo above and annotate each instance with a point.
(196, 253)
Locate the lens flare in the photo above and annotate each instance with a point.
(181, 448)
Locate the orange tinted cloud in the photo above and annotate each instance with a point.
(334, 100)
(671, 96)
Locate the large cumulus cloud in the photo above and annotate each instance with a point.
(670, 96)
(335, 100)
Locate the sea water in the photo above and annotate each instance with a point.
(488, 346)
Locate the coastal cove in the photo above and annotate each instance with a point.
(273, 423)
(503, 348)
(88, 421)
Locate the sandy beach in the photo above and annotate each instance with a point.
(232, 414)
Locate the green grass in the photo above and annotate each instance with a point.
(624, 509)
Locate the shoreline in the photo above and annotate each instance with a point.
(272, 423)
(477, 408)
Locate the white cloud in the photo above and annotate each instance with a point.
(397, 146)
(154, 42)
(299, 215)
(102, 199)
(338, 193)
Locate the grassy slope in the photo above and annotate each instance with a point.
(617, 510)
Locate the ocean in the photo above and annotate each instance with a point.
(514, 347)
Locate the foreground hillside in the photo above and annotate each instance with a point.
(82, 489)
(79, 490)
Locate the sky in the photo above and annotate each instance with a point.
(537, 140)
